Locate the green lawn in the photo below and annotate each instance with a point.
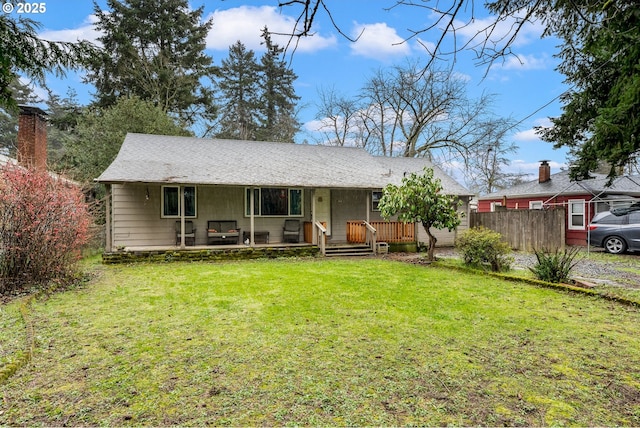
(320, 342)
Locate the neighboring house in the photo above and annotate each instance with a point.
(157, 182)
(581, 199)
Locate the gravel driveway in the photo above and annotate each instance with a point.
(620, 271)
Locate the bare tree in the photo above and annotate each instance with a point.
(489, 42)
(484, 171)
(338, 117)
(403, 111)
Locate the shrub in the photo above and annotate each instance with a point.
(554, 267)
(481, 247)
(44, 222)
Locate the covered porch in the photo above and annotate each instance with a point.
(166, 217)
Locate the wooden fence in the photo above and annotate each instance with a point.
(387, 231)
(526, 229)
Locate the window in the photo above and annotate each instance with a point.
(535, 205)
(275, 202)
(576, 214)
(602, 207)
(634, 217)
(494, 205)
(612, 219)
(171, 201)
(375, 200)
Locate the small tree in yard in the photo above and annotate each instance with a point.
(419, 199)
(44, 223)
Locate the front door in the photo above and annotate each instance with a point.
(323, 207)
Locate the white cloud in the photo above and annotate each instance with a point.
(425, 44)
(525, 62)
(519, 165)
(378, 41)
(245, 23)
(39, 92)
(500, 32)
(530, 134)
(86, 31)
(314, 125)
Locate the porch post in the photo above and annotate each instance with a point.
(108, 244)
(252, 204)
(368, 205)
(314, 237)
(181, 205)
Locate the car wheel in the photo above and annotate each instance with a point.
(615, 245)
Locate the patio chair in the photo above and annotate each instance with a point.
(189, 233)
(291, 231)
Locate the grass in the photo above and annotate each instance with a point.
(326, 342)
(624, 263)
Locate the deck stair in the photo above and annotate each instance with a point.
(348, 250)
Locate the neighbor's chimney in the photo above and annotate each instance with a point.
(32, 138)
(544, 172)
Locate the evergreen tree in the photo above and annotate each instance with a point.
(239, 87)
(23, 53)
(20, 94)
(601, 114)
(154, 49)
(64, 113)
(277, 104)
(100, 132)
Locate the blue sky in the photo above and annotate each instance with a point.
(526, 88)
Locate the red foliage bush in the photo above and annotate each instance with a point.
(44, 223)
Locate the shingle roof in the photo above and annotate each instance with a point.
(4, 160)
(168, 159)
(561, 184)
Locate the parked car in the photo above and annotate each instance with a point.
(616, 231)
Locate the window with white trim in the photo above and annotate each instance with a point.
(494, 205)
(274, 202)
(576, 214)
(375, 200)
(171, 202)
(535, 205)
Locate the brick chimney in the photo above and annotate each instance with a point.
(32, 138)
(544, 172)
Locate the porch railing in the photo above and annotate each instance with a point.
(321, 234)
(387, 231)
(370, 236)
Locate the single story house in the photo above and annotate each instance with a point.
(581, 199)
(158, 186)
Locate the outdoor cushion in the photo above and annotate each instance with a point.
(216, 232)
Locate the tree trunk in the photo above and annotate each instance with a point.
(432, 243)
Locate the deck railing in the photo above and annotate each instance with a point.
(386, 231)
(321, 236)
(370, 236)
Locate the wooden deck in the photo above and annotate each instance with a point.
(386, 231)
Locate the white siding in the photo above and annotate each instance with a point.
(446, 238)
(137, 220)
